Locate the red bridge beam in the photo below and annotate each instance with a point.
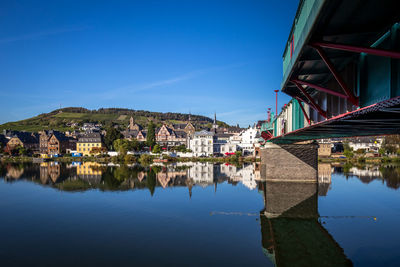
(313, 104)
(359, 49)
(353, 99)
(320, 88)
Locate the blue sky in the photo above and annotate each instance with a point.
(167, 56)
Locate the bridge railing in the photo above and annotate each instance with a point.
(305, 17)
(292, 117)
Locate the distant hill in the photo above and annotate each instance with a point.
(59, 119)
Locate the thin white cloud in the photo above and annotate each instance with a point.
(233, 112)
(35, 35)
(161, 83)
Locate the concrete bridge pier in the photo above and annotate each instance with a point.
(290, 162)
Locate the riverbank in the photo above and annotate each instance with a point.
(129, 159)
(368, 160)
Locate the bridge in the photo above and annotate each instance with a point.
(341, 66)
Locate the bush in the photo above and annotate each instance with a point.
(348, 153)
(145, 159)
(157, 149)
(128, 159)
(360, 151)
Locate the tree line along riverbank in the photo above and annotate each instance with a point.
(130, 159)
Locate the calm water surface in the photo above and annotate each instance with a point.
(197, 215)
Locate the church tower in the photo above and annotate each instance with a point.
(215, 125)
(131, 124)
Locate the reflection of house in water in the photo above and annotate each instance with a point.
(14, 172)
(257, 172)
(44, 172)
(202, 173)
(90, 172)
(54, 171)
(291, 234)
(248, 176)
(141, 176)
(366, 175)
(245, 175)
(50, 170)
(170, 176)
(324, 178)
(228, 170)
(207, 174)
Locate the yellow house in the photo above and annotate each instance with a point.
(87, 142)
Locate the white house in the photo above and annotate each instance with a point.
(202, 143)
(369, 144)
(249, 138)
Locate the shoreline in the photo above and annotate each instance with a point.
(123, 159)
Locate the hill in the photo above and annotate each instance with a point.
(61, 119)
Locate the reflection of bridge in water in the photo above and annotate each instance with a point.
(290, 230)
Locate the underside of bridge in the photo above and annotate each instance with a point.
(343, 60)
(378, 119)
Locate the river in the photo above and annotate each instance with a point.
(197, 214)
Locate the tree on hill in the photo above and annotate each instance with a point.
(111, 135)
(151, 134)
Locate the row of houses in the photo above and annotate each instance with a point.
(50, 142)
(206, 142)
(166, 135)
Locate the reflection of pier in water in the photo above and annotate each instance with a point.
(291, 232)
(324, 178)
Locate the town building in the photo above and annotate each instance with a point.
(30, 141)
(166, 136)
(202, 143)
(134, 126)
(130, 134)
(249, 138)
(188, 128)
(141, 136)
(90, 127)
(368, 144)
(9, 133)
(222, 146)
(3, 141)
(59, 143)
(43, 140)
(87, 142)
(324, 149)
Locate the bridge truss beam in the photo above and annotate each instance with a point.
(352, 98)
(359, 49)
(312, 102)
(320, 88)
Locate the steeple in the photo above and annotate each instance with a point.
(131, 123)
(215, 125)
